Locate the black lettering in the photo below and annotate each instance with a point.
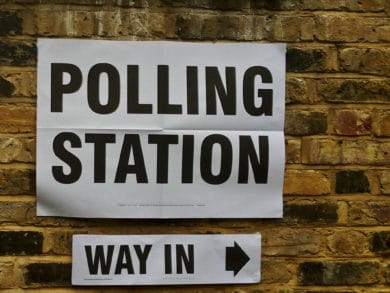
(183, 258)
(113, 88)
(163, 142)
(124, 260)
(99, 259)
(58, 88)
(163, 106)
(168, 258)
(192, 90)
(206, 159)
(131, 142)
(99, 140)
(63, 154)
(187, 168)
(227, 96)
(142, 256)
(266, 95)
(133, 105)
(259, 164)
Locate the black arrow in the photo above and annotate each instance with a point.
(236, 258)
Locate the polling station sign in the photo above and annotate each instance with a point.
(130, 129)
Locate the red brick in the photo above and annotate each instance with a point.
(369, 212)
(352, 122)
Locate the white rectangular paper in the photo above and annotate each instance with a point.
(160, 129)
(165, 259)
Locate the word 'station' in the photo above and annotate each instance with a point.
(165, 259)
(160, 129)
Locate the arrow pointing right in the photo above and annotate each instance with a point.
(236, 258)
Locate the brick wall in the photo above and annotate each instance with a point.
(335, 235)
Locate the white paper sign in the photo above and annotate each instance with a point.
(160, 129)
(165, 259)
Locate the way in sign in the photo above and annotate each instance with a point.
(101, 257)
(165, 259)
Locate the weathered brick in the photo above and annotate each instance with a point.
(132, 3)
(65, 23)
(301, 91)
(48, 274)
(276, 5)
(347, 243)
(305, 182)
(17, 181)
(17, 53)
(345, 5)
(330, 151)
(352, 182)
(25, 83)
(20, 242)
(387, 275)
(208, 4)
(381, 125)
(60, 242)
(24, 213)
(75, 2)
(291, 242)
(302, 122)
(365, 152)
(113, 23)
(290, 28)
(296, 90)
(365, 60)
(326, 291)
(293, 151)
(10, 276)
(162, 26)
(354, 90)
(312, 59)
(352, 122)
(384, 181)
(315, 213)
(275, 272)
(339, 273)
(369, 213)
(14, 149)
(6, 87)
(189, 26)
(339, 28)
(380, 242)
(17, 118)
(214, 27)
(321, 151)
(11, 23)
(16, 212)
